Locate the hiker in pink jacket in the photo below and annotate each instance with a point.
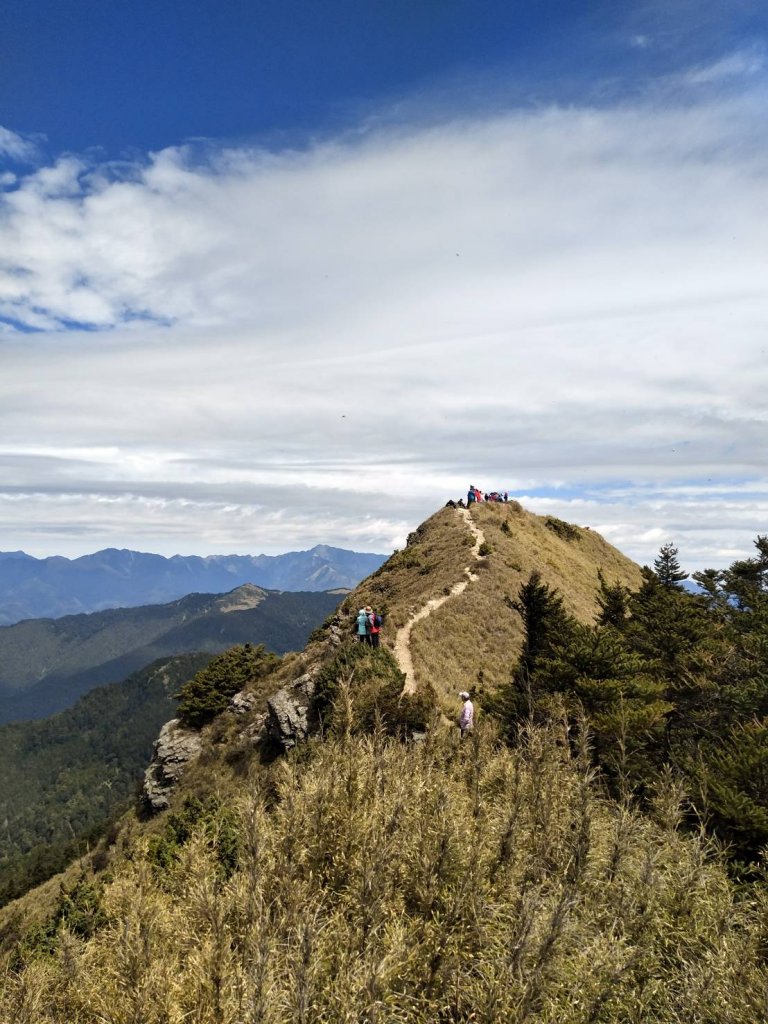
(467, 716)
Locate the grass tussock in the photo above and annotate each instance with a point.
(372, 882)
(474, 639)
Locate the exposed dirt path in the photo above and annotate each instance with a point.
(402, 650)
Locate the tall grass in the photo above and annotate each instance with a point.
(437, 882)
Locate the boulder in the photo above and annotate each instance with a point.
(243, 702)
(175, 748)
(290, 712)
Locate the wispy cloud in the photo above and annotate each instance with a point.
(740, 64)
(18, 148)
(557, 297)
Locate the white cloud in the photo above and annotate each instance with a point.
(17, 147)
(553, 298)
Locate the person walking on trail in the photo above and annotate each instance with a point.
(376, 624)
(471, 494)
(363, 627)
(467, 716)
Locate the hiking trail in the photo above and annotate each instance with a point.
(402, 649)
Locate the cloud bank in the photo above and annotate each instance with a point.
(230, 349)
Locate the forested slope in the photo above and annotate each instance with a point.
(65, 778)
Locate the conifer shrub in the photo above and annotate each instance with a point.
(208, 692)
(564, 530)
(197, 817)
(362, 687)
(79, 911)
(731, 779)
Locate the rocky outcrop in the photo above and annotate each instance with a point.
(335, 632)
(175, 748)
(291, 717)
(243, 702)
(256, 730)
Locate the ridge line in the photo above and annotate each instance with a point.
(402, 648)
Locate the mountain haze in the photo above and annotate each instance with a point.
(117, 578)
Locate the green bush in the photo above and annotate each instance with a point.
(79, 910)
(196, 817)
(363, 687)
(208, 693)
(566, 531)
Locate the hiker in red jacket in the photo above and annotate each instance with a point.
(376, 623)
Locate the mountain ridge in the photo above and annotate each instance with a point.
(46, 664)
(55, 586)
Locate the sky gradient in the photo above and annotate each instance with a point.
(298, 274)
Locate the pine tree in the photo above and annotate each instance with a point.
(544, 622)
(613, 599)
(667, 567)
(544, 619)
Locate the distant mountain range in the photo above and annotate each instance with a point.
(32, 588)
(46, 664)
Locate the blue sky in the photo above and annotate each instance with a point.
(274, 274)
(124, 77)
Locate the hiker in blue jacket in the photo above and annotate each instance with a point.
(363, 627)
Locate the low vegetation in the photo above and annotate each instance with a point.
(362, 880)
(361, 689)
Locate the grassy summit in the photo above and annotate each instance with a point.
(474, 638)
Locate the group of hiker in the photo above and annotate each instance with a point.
(475, 494)
(368, 626)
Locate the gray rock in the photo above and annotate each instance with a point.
(256, 730)
(175, 748)
(243, 702)
(290, 713)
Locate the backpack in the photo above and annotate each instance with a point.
(378, 621)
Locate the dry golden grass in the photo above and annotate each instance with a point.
(444, 882)
(434, 559)
(473, 639)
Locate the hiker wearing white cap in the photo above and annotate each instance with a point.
(467, 716)
(363, 627)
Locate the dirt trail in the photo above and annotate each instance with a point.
(402, 650)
